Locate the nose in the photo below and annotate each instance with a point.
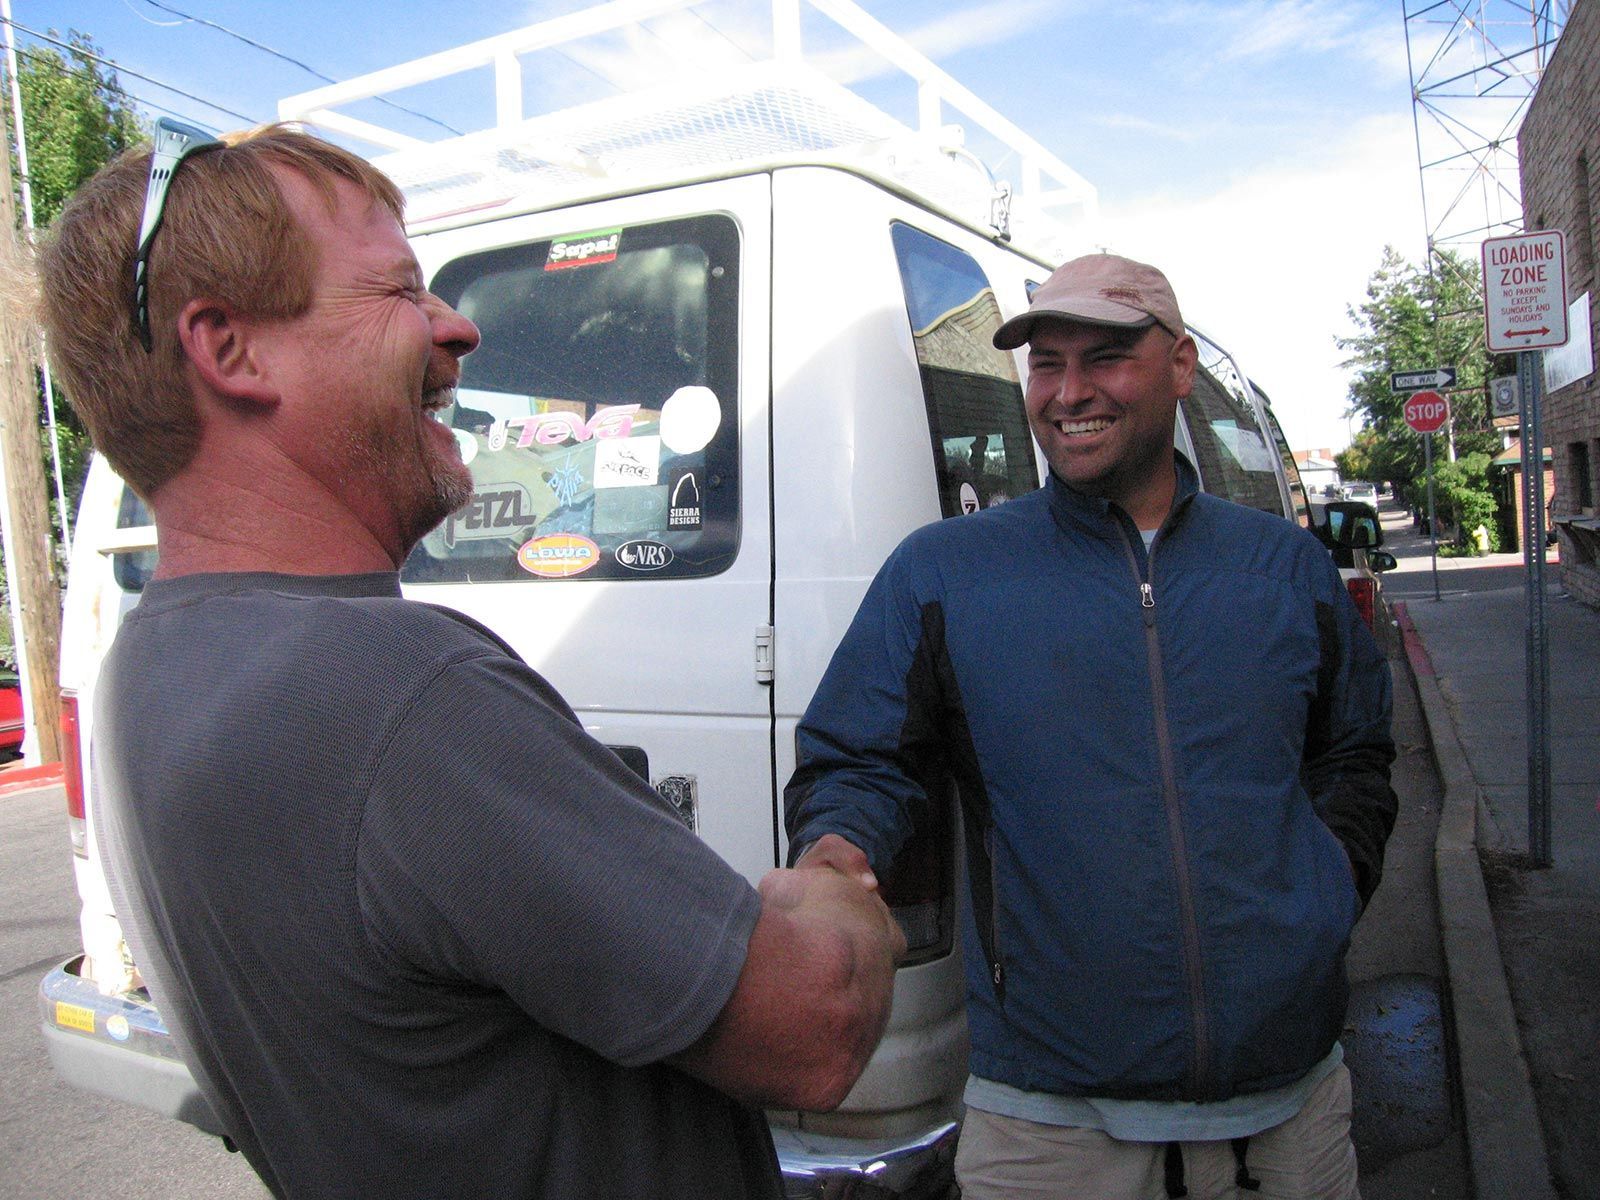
(1073, 385)
(452, 331)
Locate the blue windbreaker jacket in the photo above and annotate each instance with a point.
(1168, 764)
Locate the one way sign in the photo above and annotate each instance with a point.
(1418, 381)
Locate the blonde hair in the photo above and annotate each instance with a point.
(228, 235)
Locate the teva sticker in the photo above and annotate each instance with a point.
(554, 428)
(626, 462)
(969, 498)
(558, 555)
(584, 249)
(71, 1016)
(683, 501)
(467, 444)
(490, 513)
(689, 419)
(644, 555)
(117, 1027)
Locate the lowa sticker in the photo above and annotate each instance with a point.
(584, 249)
(558, 555)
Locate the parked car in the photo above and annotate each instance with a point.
(1359, 489)
(10, 715)
(1352, 531)
(794, 348)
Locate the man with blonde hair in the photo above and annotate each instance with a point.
(416, 933)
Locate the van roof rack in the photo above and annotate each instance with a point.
(771, 104)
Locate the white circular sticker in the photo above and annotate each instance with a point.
(689, 419)
(468, 445)
(117, 1027)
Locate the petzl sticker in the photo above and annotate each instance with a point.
(626, 462)
(558, 555)
(583, 249)
(644, 555)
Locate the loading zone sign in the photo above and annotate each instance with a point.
(1525, 292)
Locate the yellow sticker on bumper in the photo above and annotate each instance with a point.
(71, 1016)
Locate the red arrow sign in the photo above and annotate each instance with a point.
(1426, 412)
(1526, 332)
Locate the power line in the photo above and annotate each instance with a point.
(310, 70)
(79, 50)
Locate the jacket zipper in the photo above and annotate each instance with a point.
(1200, 1076)
(997, 968)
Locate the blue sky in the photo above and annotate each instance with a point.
(1261, 152)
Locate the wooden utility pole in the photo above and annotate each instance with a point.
(30, 559)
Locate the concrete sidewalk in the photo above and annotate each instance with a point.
(1522, 945)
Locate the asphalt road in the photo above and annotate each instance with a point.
(56, 1140)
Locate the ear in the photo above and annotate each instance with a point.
(1185, 357)
(225, 349)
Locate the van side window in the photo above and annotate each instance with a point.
(1297, 488)
(133, 568)
(600, 415)
(1232, 453)
(982, 450)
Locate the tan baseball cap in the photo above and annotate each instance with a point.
(1098, 289)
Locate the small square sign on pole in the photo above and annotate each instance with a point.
(1525, 292)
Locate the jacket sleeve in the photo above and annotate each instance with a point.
(1349, 744)
(868, 743)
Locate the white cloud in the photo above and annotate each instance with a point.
(1269, 265)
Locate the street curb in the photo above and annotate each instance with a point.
(24, 779)
(1505, 1142)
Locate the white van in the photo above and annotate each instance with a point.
(702, 414)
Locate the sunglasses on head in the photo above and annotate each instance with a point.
(174, 142)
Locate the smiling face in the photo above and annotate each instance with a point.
(373, 360)
(1102, 401)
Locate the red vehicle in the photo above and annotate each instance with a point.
(10, 715)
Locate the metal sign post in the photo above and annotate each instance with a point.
(1433, 523)
(1426, 412)
(1525, 311)
(1530, 380)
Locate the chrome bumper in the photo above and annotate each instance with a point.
(920, 1167)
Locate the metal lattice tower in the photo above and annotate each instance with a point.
(1475, 65)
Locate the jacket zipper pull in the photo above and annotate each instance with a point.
(1147, 596)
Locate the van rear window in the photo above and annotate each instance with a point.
(599, 417)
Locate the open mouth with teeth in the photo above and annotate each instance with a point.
(1087, 428)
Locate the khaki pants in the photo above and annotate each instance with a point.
(1308, 1157)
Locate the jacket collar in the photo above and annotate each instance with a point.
(1072, 507)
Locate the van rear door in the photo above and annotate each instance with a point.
(615, 422)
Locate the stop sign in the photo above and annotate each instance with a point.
(1426, 412)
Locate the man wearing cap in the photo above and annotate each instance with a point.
(1169, 732)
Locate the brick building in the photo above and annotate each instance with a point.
(1559, 148)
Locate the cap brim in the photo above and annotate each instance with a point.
(1019, 329)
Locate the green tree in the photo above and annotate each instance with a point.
(76, 117)
(1413, 320)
